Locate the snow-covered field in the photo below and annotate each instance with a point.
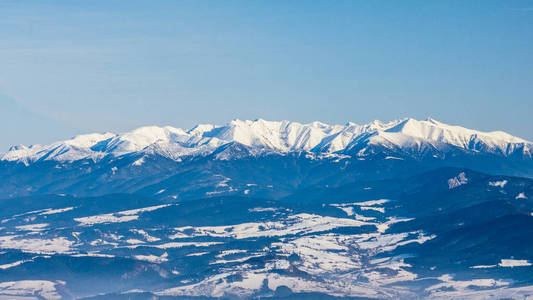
(348, 255)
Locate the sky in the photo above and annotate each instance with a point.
(72, 67)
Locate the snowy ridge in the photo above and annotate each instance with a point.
(405, 136)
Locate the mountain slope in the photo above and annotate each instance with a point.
(443, 234)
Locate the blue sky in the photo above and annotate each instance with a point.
(70, 67)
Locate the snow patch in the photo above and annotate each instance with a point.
(197, 254)
(118, 217)
(393, 157)
(295, 224)
(32, 227)
(50, 211)
(457, 181)
(462, 287)
(138, 162)
(521, 196)
(182, 244)
(378, 209)
(53, 245)
(105, 218)
(483, 267)
(153, 258)
(500, 183)
(13, 264)
(514, 263)
(262, 209)
(43, 288)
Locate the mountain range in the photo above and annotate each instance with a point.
(171, 162)
(407, 137)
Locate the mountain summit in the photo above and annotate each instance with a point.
(404, 137)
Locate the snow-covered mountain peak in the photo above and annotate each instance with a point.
(88, 140)
(406, 135)
(434, 130)
(200, 129)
